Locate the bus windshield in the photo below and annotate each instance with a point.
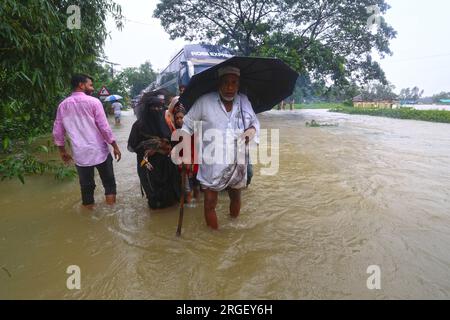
(202, 67)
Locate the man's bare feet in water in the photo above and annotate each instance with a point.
(110, 199)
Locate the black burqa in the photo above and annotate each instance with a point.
(161, 184)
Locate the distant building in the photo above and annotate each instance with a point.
(446, 101)
(358, 99)
(360, 102)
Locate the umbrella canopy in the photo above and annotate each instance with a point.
(266, 82)
(113, 97)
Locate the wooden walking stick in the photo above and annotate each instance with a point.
(183, 186)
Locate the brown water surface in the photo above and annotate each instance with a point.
(369, 191)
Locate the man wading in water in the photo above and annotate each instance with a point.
(83, 118)
(225, 111)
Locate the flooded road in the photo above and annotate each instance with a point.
(369, 191)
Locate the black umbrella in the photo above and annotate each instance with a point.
(266, 82)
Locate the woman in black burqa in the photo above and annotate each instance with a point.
(150, 140)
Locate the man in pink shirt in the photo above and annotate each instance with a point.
(83, 119)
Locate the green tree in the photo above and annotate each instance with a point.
(411, 94)
(38, 54)
(127, 83)
(237, 24)
(378, 91)
(441, 96)
(138, 79)
(313, 36)
(116, 84)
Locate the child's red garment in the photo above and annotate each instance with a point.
(193, 167)
(168, 117)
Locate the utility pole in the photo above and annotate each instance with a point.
(112, 64)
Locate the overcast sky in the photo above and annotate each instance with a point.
(421, 50)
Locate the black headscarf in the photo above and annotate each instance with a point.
(152, 121)
(150, 124)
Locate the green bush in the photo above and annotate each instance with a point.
(38, 55)
(400, 113)
(32, 159)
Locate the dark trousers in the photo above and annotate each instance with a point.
(87, 182)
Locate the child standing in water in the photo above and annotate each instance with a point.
(192, 185)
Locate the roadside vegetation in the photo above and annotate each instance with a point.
(38, 55)
(319, 105)
(399, 113)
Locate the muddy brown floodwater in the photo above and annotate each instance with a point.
(369, 191)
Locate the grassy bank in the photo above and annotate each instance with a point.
(401, 113)
(318, 105)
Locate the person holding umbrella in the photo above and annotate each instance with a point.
(224, 110)
(227, 96)
(116, 106)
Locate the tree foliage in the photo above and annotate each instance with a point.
(375, 91)
(38, 55)
(239, 25)
(441, 96)
(104, 76)
(137, 79)
(127, 83)
(411, 94)
(324, 39)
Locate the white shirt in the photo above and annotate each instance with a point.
(221, 168)
(117, 106)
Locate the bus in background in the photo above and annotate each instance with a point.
(192, 59)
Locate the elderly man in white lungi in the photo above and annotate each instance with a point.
(227, 123)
